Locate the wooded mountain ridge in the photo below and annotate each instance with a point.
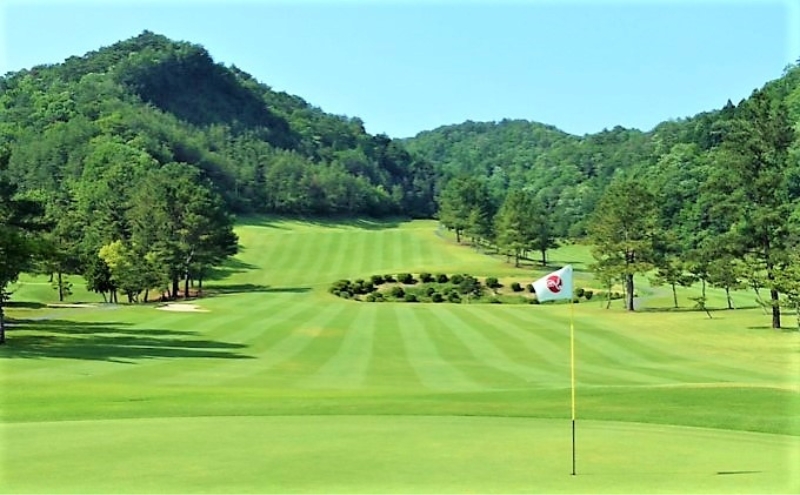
(271, 152)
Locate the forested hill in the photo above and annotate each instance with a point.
(568, 173)
(168, 102)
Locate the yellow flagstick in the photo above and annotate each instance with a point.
(572, 372)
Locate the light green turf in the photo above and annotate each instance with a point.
(280, 373)
(390, 454)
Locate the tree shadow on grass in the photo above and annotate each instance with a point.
(108, 341)
(24, 305)
(215, 290)
(692, 310)
(230, 267)
(366, 223)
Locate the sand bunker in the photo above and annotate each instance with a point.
(183, 307)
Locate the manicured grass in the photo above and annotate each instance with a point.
(283, 387)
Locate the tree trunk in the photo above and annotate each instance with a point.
(146, 295)
(186, 286)
(544, 257)
(629, 292)
(776, 308)
(516, 258)
(60, 288)
(200, 285)
(728, 297)
(674, 295)
(175, 285)
(2, 323)
(458, 236)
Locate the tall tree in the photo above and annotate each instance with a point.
(19, 220)
(750, 181)
(624, 232)
(515, 228)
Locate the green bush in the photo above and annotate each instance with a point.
(388, 278)
(409, 297)
(516, 287)
(457, 279)
(362, 287)
(430, 291)
(370, 298)
(398, 292)
(588, 294)
(441, 278)
(340, 285)
(453, 297)
(534, 300)
(470, 285)
(579, 292)
(425, 278)
(530, 288)
(492, 283)
(437, 298)
(378, 297)
(405, 278)
(377, 279)
(494, 300)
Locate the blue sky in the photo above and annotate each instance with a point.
(404, 67)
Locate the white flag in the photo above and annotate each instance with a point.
(554, 286)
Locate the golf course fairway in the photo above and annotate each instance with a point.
(270, 384)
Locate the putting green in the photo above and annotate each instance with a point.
(372, 454)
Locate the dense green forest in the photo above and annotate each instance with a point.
(711, 199)
(127, 165)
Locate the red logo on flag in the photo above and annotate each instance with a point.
(554, 284)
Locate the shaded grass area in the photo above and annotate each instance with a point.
(108, 341)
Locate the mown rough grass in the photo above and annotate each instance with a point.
(262, 393)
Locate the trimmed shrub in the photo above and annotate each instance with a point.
(534, 300)
(453, 297)
(579, 292)
(588, 294)
(370, 298)
(378, 296)
(437, 298)
(457, 279)
(377, 279)
(494, 300)
(493, 283)
(530, 288)
(441, 278)
(430, 291)
(340, 285)
(362, 287)
(516, 287)
(398, 292)
(405, 278)
(388, 278)
(425, 278)
(410, 297)
(470, 285)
